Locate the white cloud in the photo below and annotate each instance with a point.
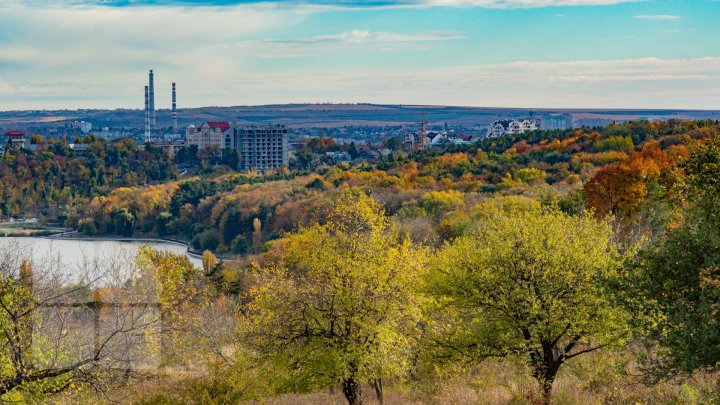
(102, 53)
(365, 36)
(348, 41)
(320, 5)
(627, 83)
(96, 57)
(657, 17)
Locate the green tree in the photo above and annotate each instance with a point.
(618, 143)
(162, 221)
(232, 158)
(124, 221)
(177, 286)
(334, 303)
(675, 283)
(353, 151)
(528, 283)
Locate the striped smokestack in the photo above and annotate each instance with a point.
(147, 114)
(174, 110)
(153, 122)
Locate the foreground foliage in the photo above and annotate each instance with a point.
(470, 275)
(335, 303)
(531, 283)
(675, 284)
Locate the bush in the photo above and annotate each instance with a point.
(435, 202)
(207, 240)
(529, 174)
(615, 143)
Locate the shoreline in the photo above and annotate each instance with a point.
(67, 236)
(71, 235)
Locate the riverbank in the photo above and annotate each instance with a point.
(74, 235)
(24, 229)
(76, 254)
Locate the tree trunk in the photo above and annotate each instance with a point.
(379, 392)
(546, 390)
(352, 390)
(545, 376)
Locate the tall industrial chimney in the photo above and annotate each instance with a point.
(174, 110)
(153, 122)
(147, 114)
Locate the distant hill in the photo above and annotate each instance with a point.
(329, 115)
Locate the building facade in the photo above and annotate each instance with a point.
(511, 127)
(15, 139)
(262, 147)
(594, 122)
(553, 122)
(210, 134)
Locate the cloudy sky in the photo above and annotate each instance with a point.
(525, 53)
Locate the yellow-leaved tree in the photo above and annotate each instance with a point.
(335, 303)
(530, 282)
(173, 283)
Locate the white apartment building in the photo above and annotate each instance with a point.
(510, 127)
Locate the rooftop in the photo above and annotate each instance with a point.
(221, 125)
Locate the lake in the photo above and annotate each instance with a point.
(75, 255)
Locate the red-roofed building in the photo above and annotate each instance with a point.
(221, 125)
(215, 133)
(15, 139)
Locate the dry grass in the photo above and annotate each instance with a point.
(602, 378)
(598, 378)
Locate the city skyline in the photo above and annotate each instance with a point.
(492, 53)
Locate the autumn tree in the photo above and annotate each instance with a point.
(674, 286)
(622, 188)
(208, 261)
(176, 285)
(257, 235)
(334, 303)
(530, 283)
(436, 202)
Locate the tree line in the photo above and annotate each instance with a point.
(355, 299)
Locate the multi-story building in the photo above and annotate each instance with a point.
(218, 133)
(262, 147)
(553, 122)
(15, 139)
(510, 127)
(594, 122)
(85, 127)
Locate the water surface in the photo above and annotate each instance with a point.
(74, 257)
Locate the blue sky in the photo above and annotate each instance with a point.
(526, 53)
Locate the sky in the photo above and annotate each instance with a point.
(58, 54)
